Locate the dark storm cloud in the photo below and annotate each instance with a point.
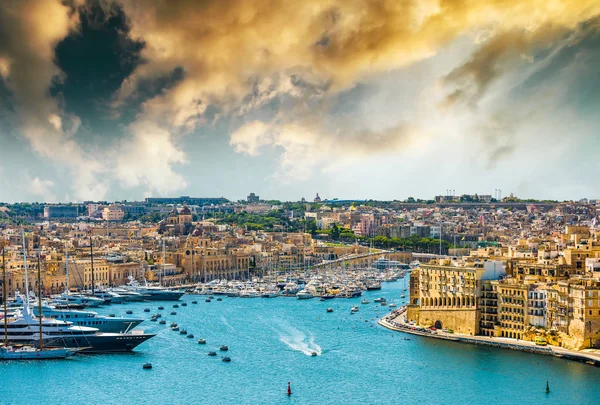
(95, 59)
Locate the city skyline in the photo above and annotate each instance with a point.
(122, 100)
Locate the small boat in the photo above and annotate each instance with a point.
(207, 300)
(194, 302)
(183, 304)
(403, 296)
(383, 303)
(190, 336)
(380, 299)
(183, 332)
(161, 308)
(329, 309)
(304, 295)
(226, 359)
(354, 309)
(163, 322)
(175, 328)
(392, 305)
(201, 341)
(33, 353)
(175, 306)
(173, 313)
(147, 366)
(129, 312)
(365, 301)
(173, 325)
(146, 309)
(219, 299)
(326, 297)
(212, 353)
(314, 354)
(223, 348)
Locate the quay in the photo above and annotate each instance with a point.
(397, 321)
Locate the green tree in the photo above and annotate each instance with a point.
(335, 231)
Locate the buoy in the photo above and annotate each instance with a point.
(289, 390)
(547, 387)
(147, 366)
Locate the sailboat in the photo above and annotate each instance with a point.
(8, 352)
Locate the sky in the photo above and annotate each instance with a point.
(369, 99)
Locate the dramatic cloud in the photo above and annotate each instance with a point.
(42, 189)
(316, 83)
(29, 32)
(306, 147)
(243, 55)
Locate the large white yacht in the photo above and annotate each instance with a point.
(153, 293)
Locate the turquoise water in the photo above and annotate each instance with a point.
(270, 341)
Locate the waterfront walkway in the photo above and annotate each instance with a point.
(397, 321)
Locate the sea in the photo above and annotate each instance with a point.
(271, 342)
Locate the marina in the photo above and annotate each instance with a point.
(355, 358)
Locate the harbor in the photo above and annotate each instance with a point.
(397, 321)
(270, 342)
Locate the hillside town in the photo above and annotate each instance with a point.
(488, 266)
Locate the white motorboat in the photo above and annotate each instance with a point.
(304, 295)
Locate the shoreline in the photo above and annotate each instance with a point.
(396, 322)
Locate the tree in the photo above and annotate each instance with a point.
(335, 231)
(312, 227)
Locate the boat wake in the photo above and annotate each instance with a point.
(299, 341)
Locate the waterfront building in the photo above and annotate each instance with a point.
(446, 297)
(536, 307)
(512, 308)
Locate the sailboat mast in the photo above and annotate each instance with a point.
(92, 262)
(4, 292)
(164, 261)
(40, 302)
(67, 268)
(25, 264)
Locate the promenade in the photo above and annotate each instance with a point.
(397, 321)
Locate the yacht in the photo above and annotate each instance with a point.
(270, 294)
(249, 293)
(105, 324)
(25, 329)
(304, 295)
(153, 293)
(33, 353)
(109, 297)
(77, 299)
(127, 295)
